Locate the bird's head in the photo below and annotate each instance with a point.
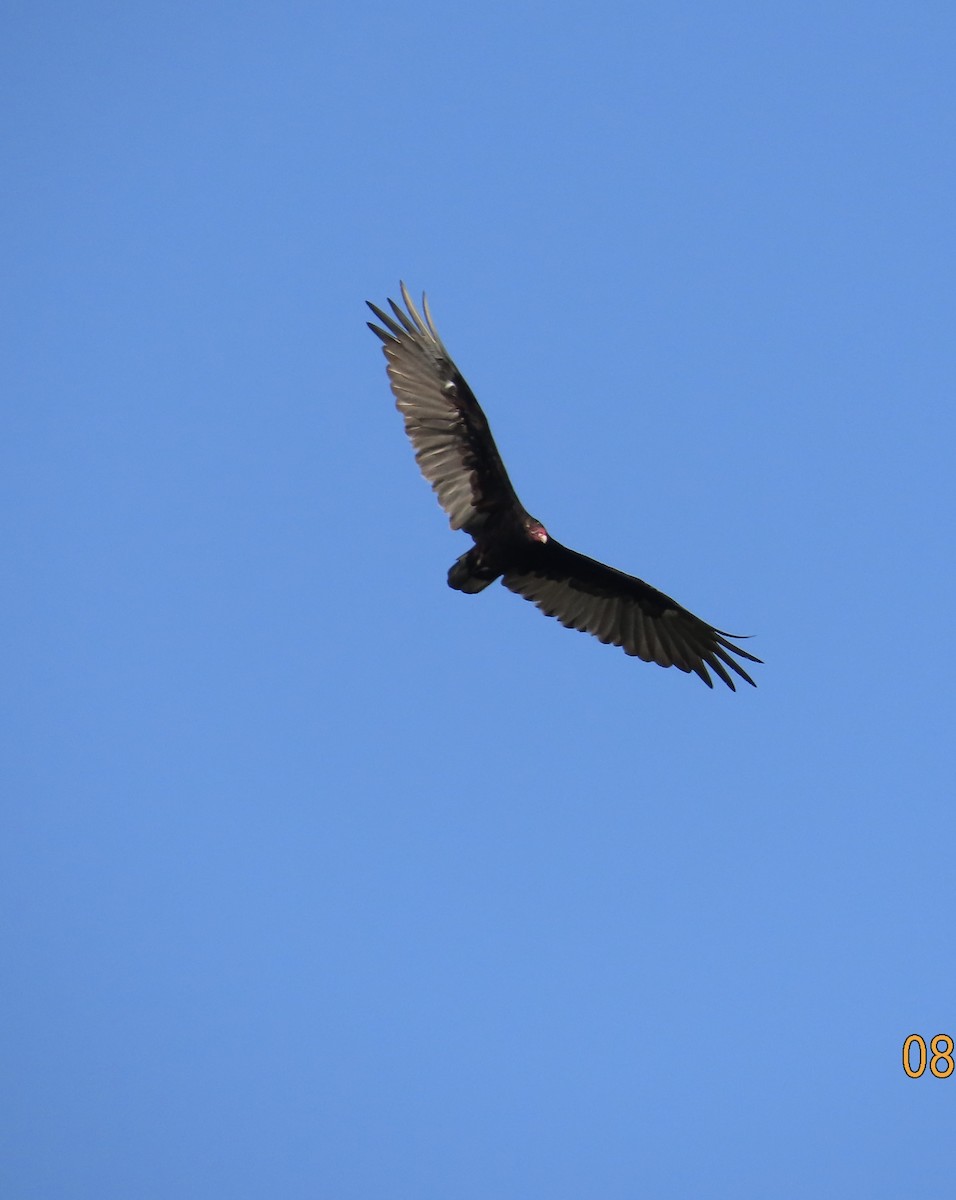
(535, 530)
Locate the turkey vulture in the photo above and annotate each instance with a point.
(458, 457)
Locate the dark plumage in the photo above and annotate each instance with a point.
(458, 457)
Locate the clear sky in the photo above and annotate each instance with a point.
(322, 880)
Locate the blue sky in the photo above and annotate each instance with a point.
(321, 880)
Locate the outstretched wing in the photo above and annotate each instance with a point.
(623, 611)
(450, 433)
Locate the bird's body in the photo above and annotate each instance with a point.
(458, 456)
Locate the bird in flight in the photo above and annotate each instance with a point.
(458, 456)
